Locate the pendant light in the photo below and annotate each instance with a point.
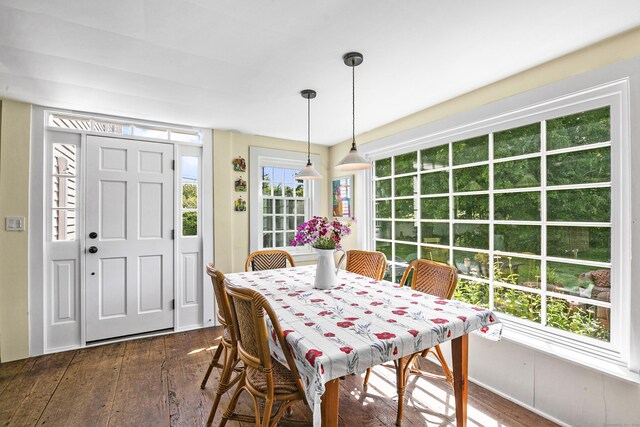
(309, 172)
(353, 161)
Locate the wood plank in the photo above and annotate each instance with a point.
(86, 393)
(9, 370)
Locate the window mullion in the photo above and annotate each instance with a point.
(543, 218)
(491, 225)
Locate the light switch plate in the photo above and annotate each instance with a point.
(14, 223)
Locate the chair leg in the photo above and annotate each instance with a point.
(228, 413)
(266, 415)
(365, 384)
(447, 372)
(223, 383)
(214, 362)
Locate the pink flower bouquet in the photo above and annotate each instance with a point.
(320, 233)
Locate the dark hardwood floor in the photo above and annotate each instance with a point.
(155, 382)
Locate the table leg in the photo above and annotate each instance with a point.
(460, 356)
(330, 400)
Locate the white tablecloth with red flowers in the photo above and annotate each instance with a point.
(357, 325)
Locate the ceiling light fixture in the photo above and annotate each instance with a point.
(309, 172)
(353, 161)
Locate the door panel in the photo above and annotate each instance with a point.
(129, 276)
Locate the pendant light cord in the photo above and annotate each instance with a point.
(309, 131)
(353, 106)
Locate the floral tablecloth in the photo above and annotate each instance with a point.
(357, 325)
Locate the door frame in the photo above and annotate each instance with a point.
(186, 316)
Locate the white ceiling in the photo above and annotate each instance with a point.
(240, 64)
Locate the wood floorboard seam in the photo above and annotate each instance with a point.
(44, 408)
(115, 388)
(15, 374)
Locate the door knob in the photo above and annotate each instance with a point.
(93, 235)
(93, 250)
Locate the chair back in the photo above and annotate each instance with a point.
(249, 308)
(224, 309)
(268, 260)
(432, 278)
(365, 263)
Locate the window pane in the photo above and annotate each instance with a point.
(383, 209)
(434, 183)
(579, 280)
(517, 206)
(517, 174)
(580, 167)
(383, 167)
(300, 207)
(406, 253)
(299, 221)
(267, 240)
(587, 127)
(278, 175)
(517, 238)
(435, 233)
(383, 188)
(435, 208)
(588, 205)
(278, 190)
(587, 243)
(189, 168)
(64, 192)
(267, 206)
(189, 196)
(279, 223)
(189, 223)
(471, 207)
(405, 209)
(400, 269)
(472, 263)
(525, 305)
(290, 206)
(406, 163)
(288, 238)
(406, 231)
(383, 230)
(405, 186)
(267, 174)
(288, 189)
(299, 190)
(435, 254)
(472, 292)
(517, 271)
(291, 223)
(267, 223)
(64, 224)
(266, 188)
(471, 179)
(581, 319)
(471, 235)
(279, 240)
(471, 150)
(435, 158)
(385, 248)
(517, 141)
(64, 159)
(279, 206)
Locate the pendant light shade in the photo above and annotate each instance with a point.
(353, 161)
(309, 172)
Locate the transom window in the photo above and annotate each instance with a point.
(524, 214)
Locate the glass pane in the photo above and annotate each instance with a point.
(300, 207)
(267, 206)
(288, 238)
(189, 168)
(385, 248)
(525, 305)
(64, 192)
(383, 188)
(587, 243)
(189, 223)
(517, 238)
(288, 189)
(517, 174)
(383, 230)
(579, 280)
(405, 209)
(299, 221)
(472, 263)
(471, 235)
(189, 196)
(279, 223)
(383, 167)
(267, 223)
(278, 190)
(434, 158)
(278, 175)
(434, 183)
(406, 163)
(64, 159)
(299, 190)
(387, 274)
(581, 319)
(291, 223)
(517, 206)
(517, 271)
(406, 253)
(588, 205)
(185, 136)
(583, 128)
(435, 208)
(405, 186)
(472, 292)
(406, 231)
(471, 179)
(64, 224)
(279, 240)
(471, 207)
(279, 206)
(290, 206)
(266, 189)
(150, 132)
(383, 209)
(267, 240)
(471, 150)
(579, 167)
(435, 254)
(436, 233)
(267, 174)
(517, 141)
(400, 269)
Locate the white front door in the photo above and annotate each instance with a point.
(128, 237)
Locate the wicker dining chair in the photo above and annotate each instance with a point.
(228, 343)
(366, 263)
(433, 278)
(268, 260)
(263, 377)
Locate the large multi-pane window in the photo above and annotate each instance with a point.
(524, 214)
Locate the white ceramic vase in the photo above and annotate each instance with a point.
(326, 271)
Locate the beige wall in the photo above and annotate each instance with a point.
(231, 229)
(15, 124)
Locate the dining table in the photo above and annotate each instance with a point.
(359, 324)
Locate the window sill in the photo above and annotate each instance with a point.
(604, 362)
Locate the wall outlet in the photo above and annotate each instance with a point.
(14, 223)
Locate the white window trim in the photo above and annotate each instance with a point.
(259, 157)
(620, 85)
